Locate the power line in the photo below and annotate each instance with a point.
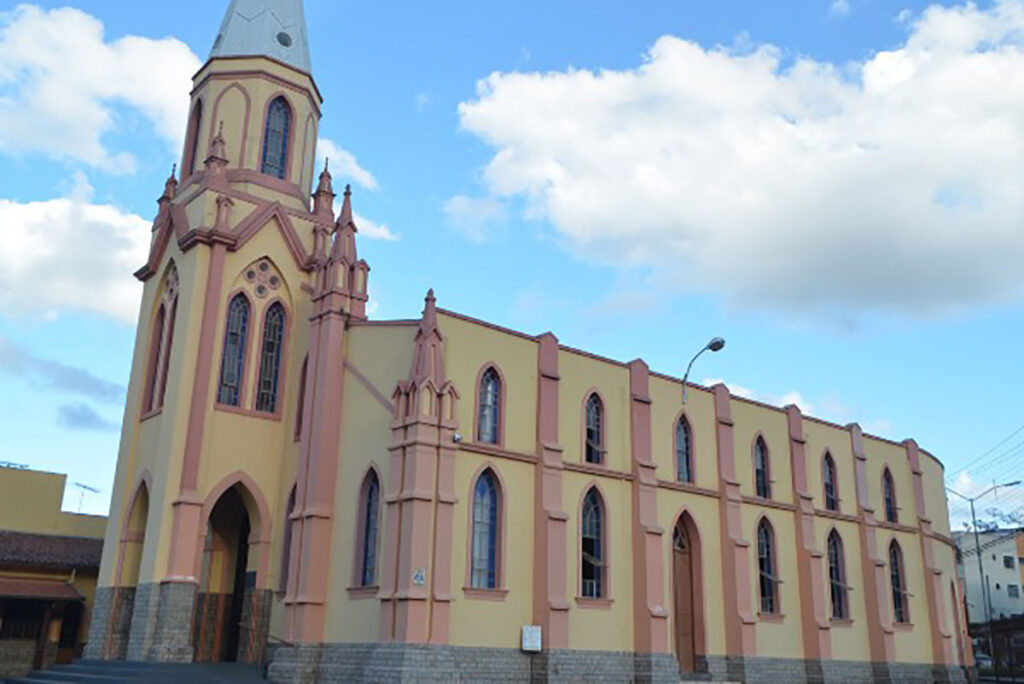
(984, 455)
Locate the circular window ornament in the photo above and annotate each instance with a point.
(284, 39)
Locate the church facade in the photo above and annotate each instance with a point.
(342, 498)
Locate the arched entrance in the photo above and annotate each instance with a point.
(687, 583)
(229, 616)
(129, 565)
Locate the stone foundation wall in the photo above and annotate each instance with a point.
(108, 638)
(210, 619)
(16, 656)
(161, 628)
(252, 637)
(390, 662)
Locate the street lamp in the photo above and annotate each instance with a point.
(715, 344)
(985, 595)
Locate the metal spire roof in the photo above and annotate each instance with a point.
(271, 28)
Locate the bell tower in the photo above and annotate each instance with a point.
(248, 290)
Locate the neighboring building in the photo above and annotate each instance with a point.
(396, 499)
(49, 561)
(1002, 556)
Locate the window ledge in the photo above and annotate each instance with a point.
(149, 414)
(903, 626)
(771, 617)
(363, 592)
(250, 413)
(594, 603)
(485, 594)
(842, 622)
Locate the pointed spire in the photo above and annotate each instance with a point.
(265, 28)
(428, 356)
(323, 198)
(345, 217)
(171, 186)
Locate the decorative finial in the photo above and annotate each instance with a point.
(174, 170)
(430, 295)
(348, 189)
(327, 164)
(220, 129)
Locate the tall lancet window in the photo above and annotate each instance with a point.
(684, 449)
(828, 476)
(762, 471)
(232, 361)
(889, 493)
(592, 551)
(900, 610)
(837, 577)
(192, 140)
(275, 138)
(488, 423)
(486, 502)
(270, 358)
(594, 449)
(768, 581)
(370, 499)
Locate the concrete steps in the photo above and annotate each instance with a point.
(121, 672)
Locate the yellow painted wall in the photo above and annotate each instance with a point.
(611, 628)
(382, 355)
(704, 511)
(822, 438)
(849, 640)
(879, 455)
(468, 348)
(778, 638)
(30, 501)
(579, 375)
(751, 419)
(666, 404)
(913, 644)
(480, 622)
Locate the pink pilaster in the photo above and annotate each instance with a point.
(415, 591)
(942, 635)
(186, 525)
(814, 613)
(736, 601)
(880, 631)
(650, 619)
(550, 522)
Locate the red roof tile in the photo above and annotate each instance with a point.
(13, 587)
(21, 548)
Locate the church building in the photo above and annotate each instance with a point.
(339, 498)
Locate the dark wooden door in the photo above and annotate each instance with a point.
(682, 579)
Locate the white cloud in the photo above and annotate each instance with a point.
(891, 185)
(343, 164)
(840, 8)
(473, 216)
(60, 79)
(791, 397)
(421, 101)
(373, 230)
(68, 254)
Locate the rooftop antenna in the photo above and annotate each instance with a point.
(11, 464)
(82, 489)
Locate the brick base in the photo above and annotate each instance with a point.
(161, 628)
(390, 662)
(111, 622)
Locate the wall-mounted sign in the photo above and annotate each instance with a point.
(531, 638)
(419, 577)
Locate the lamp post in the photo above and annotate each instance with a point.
(714, 344)
(985, 596)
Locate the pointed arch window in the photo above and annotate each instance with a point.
(275, 138)
(837, 577)
(762, 469)
(684, 451)
(161, 340)
(889, 494)
(828, 476)
(489, 419)
(484, 555)
(270, 358)
(368, 534)
(768, 581)
(192, 140)
(900, 595)
(232, 360)
(592, 549)
(594, 447)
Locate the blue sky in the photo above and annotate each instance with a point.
(831, 186)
